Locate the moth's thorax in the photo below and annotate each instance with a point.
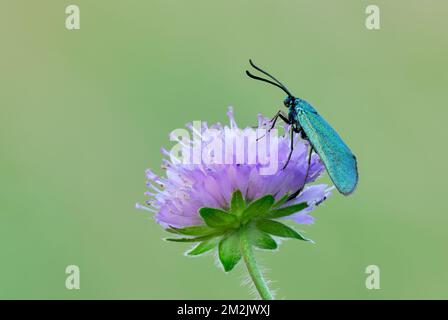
(295, 105)
(300, 105)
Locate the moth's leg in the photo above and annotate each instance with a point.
(284, 117)
(297, 129)
(274, 118)
(292, 148)
(309, 165)
(280, 114)
(292, 196)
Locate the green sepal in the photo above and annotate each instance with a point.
(196, 239)
(217, 218)
(192, 231)
(259, 207)
(203, 247)
(281, 201)
(261, 239)
(279, 229)
(286, 211)
(229, 251)
(237, 203)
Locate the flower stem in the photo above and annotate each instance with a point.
(252, 267)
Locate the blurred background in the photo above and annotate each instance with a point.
(83, 113)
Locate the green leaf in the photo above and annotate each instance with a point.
(229, 251)
(261, 239)
(258, 208)
(281, 201)
(197, 239)
(192, 231)
(279, 229)
(203, 247)
(217, 218)
(237, 204)
(286, 211)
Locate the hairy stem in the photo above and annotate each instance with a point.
(252, 267)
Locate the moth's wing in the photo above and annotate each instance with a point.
(334, 153)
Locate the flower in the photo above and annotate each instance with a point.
(177, 197)
(230, 188)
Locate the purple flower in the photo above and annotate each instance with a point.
(187, 186)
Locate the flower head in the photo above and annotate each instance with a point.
(177, 197)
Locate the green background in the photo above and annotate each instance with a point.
(83, 114)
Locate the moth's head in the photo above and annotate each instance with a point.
(290, 101)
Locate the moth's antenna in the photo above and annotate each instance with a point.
(268, 81)
(270, 76)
